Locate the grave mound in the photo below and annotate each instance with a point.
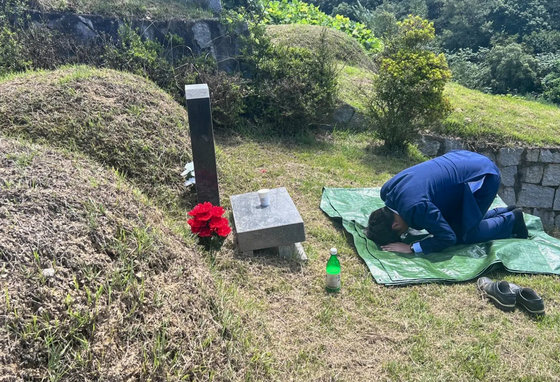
(95, 285)
(119, 119)
(342, 46)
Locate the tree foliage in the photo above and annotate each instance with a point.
(408, 90)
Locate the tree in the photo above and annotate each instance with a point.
(408, 90)
(511, 70)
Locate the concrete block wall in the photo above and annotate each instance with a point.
(530, 176)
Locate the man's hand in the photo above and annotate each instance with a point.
(397, 247)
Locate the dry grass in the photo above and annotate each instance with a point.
(118, 119)
(368, 331)
(129, 299)
(154, 9)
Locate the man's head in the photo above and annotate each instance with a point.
(385, 226)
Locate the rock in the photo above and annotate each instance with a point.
(535, 196)
(85, 29)
(549, 156)
(215, 6)
(508, 195)
(547, 216)
(509, 156)
(48, 272)
(489, 154)
(551, 175)
(556, 205)
(343, 113)
(532, 174)
(429, 146)
(532, 155)
(508, 175)
(450, 144)
(557, 221)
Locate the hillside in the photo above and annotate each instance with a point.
(154, 9)
(475, 115)
(118, 119)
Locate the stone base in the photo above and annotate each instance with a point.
(293, 251)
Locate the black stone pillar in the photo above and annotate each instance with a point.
(202, 141)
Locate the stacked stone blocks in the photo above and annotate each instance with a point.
(530, 176)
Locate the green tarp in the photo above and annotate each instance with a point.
(539, 254)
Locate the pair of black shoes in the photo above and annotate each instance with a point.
(506, 295)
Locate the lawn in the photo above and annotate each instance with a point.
(367, 331)
(502, 119)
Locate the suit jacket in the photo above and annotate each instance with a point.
(435, 196)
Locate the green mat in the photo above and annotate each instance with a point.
(539, 254)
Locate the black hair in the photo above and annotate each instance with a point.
(379, 227)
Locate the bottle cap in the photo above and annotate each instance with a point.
(333, 251)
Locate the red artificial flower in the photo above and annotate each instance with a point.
(196, 223)
(217, 211)
(202, 211)
(205, 232)
(207, 220)
(223, 231)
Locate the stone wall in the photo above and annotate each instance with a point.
(530, 176)
(202, 36)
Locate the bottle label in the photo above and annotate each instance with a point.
(333, 281)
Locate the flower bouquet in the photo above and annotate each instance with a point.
(209, 225)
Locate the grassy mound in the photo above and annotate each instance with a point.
(126, 299)
(344, 48)
(499, 118)
(156, 9)
(118, 119)
(476, 115)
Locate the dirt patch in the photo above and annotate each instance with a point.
(94, 284)
(118, 119)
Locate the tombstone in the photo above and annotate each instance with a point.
(202, 141)
(278, 225)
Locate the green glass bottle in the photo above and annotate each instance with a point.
(333, 272)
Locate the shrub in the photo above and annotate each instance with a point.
(468, 68)
(408, 90)
(12, 58)
(291, 87)
(299, 12)
(511, 70)
(551, 84)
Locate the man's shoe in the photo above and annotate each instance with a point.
(528, 299)
(499, 292)
(519, 228)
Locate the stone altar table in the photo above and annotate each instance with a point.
(278, 225)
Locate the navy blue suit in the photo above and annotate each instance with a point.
(436, 196)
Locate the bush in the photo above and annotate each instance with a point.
(408, 90)
(511, 70)
(299, 12)
(12, 57)
(291, 87)
(551, 84)
(468, 68)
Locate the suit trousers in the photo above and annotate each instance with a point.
(496, 223)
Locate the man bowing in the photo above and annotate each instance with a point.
(448, 196)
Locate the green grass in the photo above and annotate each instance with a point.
(476, 116)
(155, 9)
(343, 47)
(421, 332)
(504, 119)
